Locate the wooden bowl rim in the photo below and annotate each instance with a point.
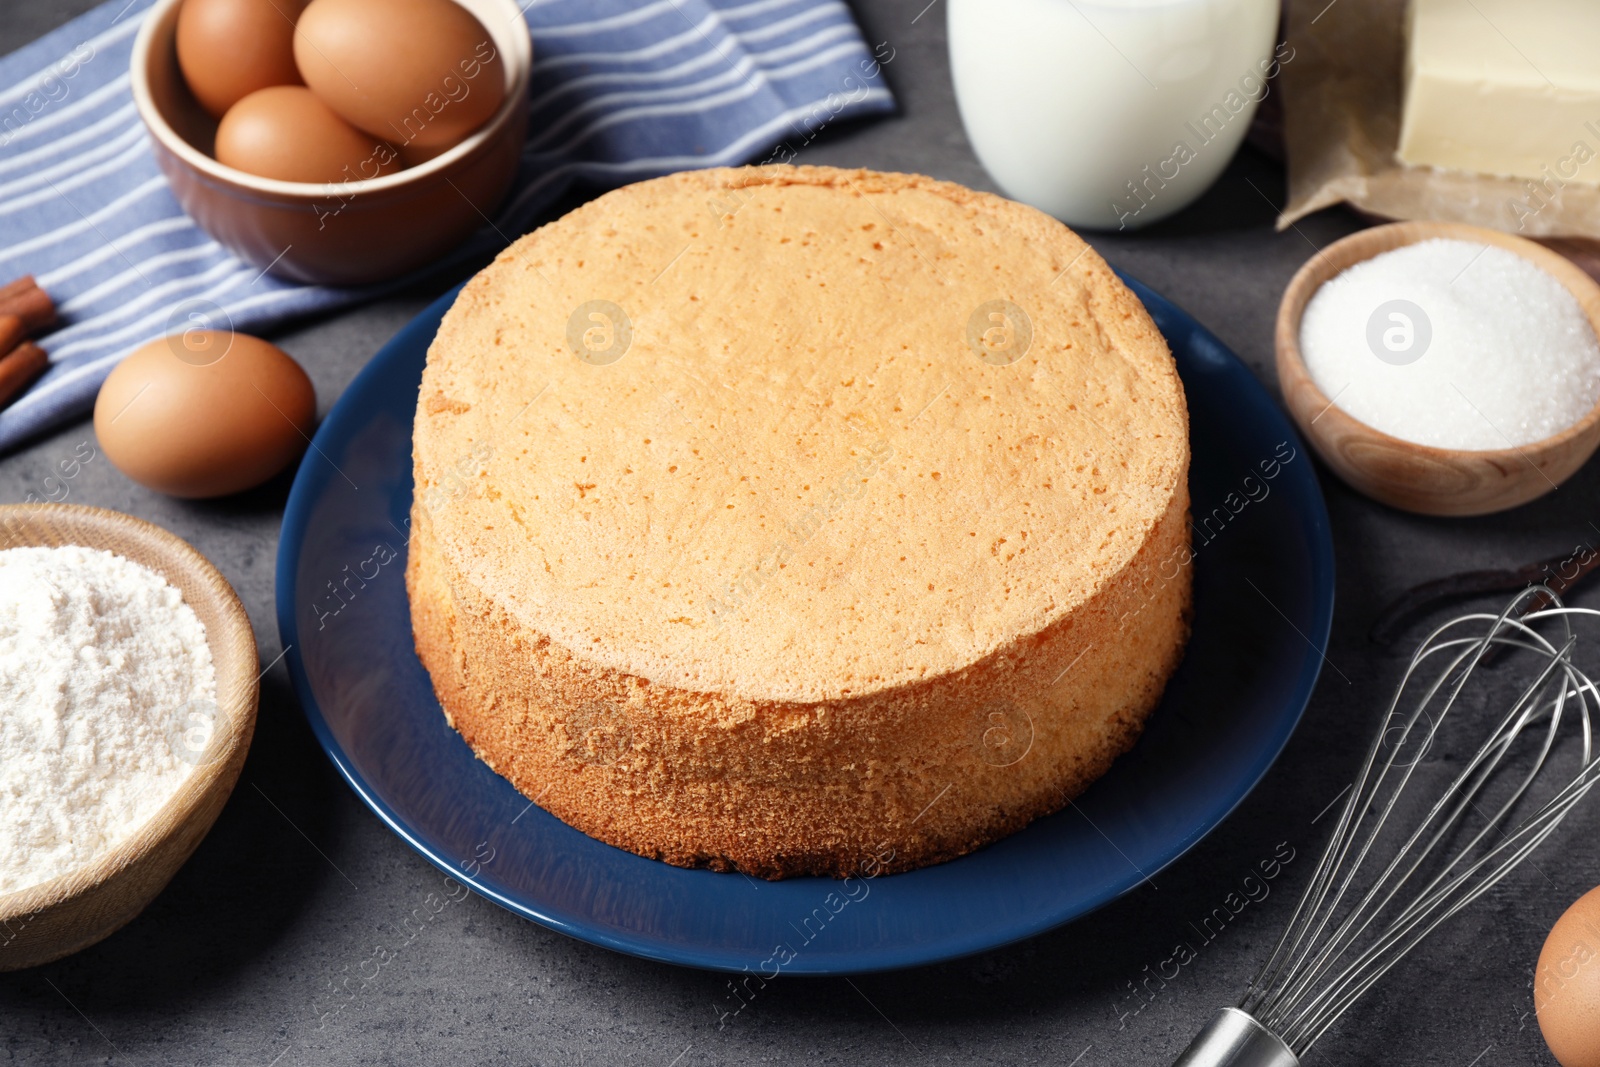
(519, 69)
(1370, 243)
(236, 695)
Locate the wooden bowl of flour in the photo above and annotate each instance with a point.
(56, 918)
(1403, 474)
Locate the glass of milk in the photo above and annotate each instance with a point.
(1110, 114)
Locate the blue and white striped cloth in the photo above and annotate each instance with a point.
(622, 90)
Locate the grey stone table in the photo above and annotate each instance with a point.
(243, 959)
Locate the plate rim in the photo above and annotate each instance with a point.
(291, 536)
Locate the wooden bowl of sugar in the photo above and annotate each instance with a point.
(1454, 440)
(51, 919)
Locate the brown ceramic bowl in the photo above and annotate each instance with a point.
(347, 233)
(1413, 477)
(53, 919)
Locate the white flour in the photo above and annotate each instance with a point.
(107, 693)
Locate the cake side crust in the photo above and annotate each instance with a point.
(782, 790)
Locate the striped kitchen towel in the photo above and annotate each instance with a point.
(621, 90)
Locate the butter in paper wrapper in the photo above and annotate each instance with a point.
(1342, 97)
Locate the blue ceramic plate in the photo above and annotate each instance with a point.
(1263, 605)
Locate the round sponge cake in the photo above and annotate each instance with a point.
(799, 520)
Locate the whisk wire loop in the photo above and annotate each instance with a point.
(1352, 926)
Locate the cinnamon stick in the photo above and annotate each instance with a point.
(12, 331)
(29, 303)
(21, 285)
(18, 368)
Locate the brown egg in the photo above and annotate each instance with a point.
(287, 133)
(1566, 985)
(421, 74)
(227, 49)
(204, 413)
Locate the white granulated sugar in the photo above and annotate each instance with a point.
(102, 668)
(1511, 359)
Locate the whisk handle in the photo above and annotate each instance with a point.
(1233, 1038)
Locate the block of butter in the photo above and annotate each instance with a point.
(1505, 87)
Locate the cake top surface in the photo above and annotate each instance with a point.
(795, 433)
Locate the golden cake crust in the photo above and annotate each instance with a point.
(777, 518)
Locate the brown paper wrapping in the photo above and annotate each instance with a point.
(1341, 100)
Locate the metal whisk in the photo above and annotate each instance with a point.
(1383, 885)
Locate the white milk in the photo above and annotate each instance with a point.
(1110, 114)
